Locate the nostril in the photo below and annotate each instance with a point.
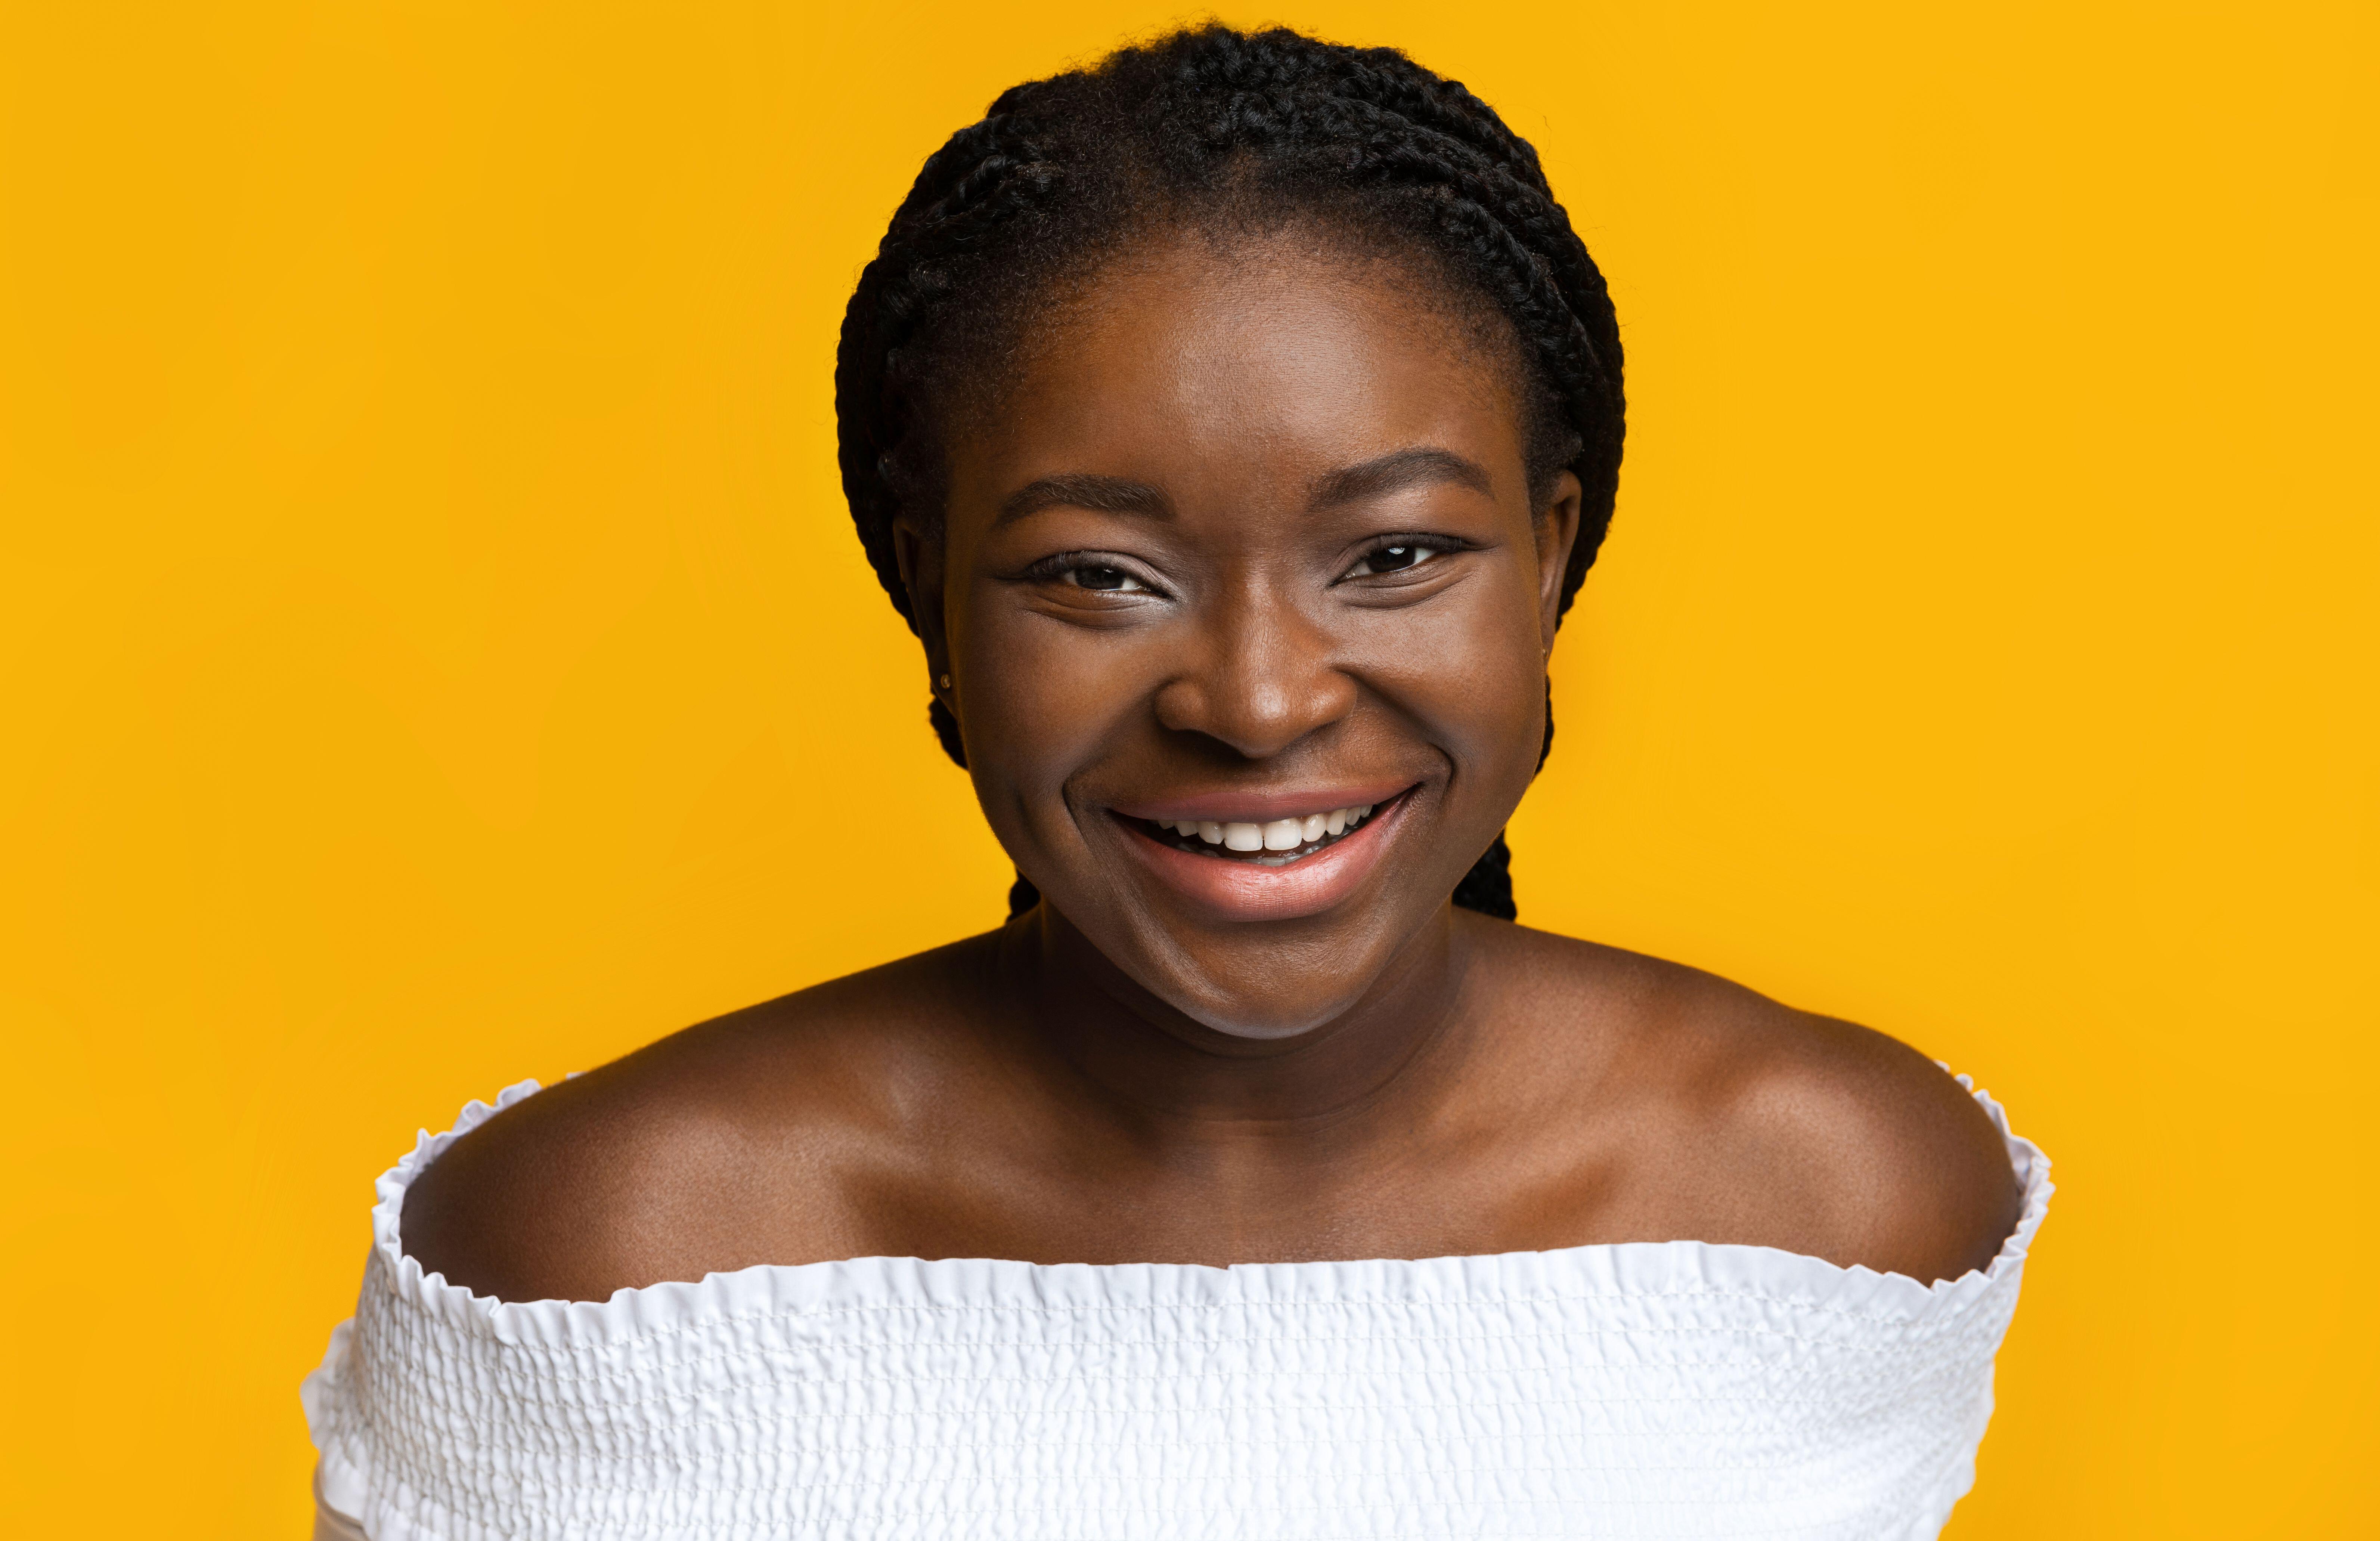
(1255, 717)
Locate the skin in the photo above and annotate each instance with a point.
(1135, 1072)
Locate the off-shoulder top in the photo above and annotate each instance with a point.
(1674, 1388)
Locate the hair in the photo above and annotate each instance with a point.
(1227, 132)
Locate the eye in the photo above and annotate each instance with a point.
(1090, 570)
(1107, 580)
(1400, 555)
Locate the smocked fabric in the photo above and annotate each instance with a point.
(1646, 1390)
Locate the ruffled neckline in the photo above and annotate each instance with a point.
(1641, 1269)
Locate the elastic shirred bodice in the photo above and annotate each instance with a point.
(1646, 1390)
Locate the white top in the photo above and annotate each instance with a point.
(1673, 1389)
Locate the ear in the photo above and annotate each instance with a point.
(1557, 532)
(919, 556)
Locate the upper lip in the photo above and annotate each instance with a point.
(1258, 807)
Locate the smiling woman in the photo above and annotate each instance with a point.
(1234, 424)
(1312, 571)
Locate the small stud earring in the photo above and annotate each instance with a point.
(944, 680)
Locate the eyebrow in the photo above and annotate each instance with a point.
(1395, 472)
(1101, 495)
(1376, 477)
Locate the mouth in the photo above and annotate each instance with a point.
(1260, 842)
(1261, 861)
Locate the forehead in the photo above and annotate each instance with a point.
(1233, 362)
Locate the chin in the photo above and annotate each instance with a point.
(1265, 1021)
(1229, 984)
(1258, 954)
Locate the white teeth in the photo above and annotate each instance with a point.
(1274, 834)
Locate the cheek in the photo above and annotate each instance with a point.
(1040, 699)
(1470, 678)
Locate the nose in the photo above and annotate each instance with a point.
(1259, 677)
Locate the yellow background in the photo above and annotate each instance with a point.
(434, 650)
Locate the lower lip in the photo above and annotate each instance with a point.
(1243, 891)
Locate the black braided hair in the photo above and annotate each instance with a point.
(1217, 128)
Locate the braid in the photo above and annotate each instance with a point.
(985, 175)
(1212, 125)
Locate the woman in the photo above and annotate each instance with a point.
(1233, 423)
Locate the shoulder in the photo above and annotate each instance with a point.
(745, 1139)
(1780, 1127)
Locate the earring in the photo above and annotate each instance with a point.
(944, 680)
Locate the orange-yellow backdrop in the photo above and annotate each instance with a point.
(434, 652)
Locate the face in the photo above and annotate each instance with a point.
(1247, 610)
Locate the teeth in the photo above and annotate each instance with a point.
(1272, 835)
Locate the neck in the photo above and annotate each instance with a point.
(1171, 1078)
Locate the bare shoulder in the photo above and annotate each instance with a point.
(751, 1138)
(1758, 1123)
